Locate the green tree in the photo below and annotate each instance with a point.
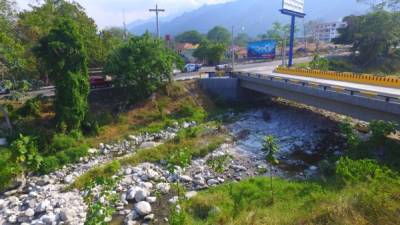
(212, 53)
(12, 62)
(374, 38)
(142, 64)
(37, 22)
(192, 36)
(242, 39)
(219, 35)
(110, 39)
(271, 148)
(65, 58)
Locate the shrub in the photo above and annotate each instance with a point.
(32, 107)
(355, 171)
(219, 163)
(319, 63)
(75, 153)
(62, 142)
(380, 129)
(181, 158)
(192, 112)
(24, 152)
(90, 126)
(352, 138)
(49, 165)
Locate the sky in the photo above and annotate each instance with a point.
(108, 13)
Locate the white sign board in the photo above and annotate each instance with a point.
(294, 5)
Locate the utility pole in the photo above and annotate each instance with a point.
(233, 49)
(284, 50)
(125, 29)
(157, 11)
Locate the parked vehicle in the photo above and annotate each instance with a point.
(224, 68)
(4, 91)
(192, 68)
(99, 82)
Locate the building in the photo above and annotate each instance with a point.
(325, 32)
(186, 50)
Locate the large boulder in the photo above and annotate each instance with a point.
(143, 208)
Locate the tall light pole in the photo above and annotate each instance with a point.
(233, 49)
(157, 11)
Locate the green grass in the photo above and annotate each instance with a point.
(197, 146)
(249, 202)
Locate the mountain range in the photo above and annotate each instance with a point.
(250, 16)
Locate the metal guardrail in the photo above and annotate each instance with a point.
(392, 82)
(325, 87)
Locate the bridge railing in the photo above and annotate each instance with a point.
(369, 79)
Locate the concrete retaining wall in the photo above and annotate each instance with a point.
(225, 88)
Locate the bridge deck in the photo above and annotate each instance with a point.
(266, 71)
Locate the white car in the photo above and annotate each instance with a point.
(4, 91)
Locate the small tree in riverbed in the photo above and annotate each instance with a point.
(271, 148)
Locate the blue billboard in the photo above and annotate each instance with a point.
(261, 49)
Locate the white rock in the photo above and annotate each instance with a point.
(163, 187)
(92, 151)
(211, 182)
(190, 194)
(49, 219)
(66, 215)
(173, 200)
(186, 178)
(141, 195)
(130, 195)
(128, 171)
(29, 212)
(69, 179)
(12, 219)
(151, 199)
(43, 206)
(2, 203)
(143, 208)
(146, 185)
(149, 144)
(238, 168)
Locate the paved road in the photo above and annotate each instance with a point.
(266, 66)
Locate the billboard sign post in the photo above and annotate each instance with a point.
(293, 8)
(261, 49)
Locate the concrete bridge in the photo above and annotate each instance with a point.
(361, 101)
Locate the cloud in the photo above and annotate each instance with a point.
(111, 12)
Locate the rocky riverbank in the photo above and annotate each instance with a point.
(304, 138)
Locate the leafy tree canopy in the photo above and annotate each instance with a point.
(11, 49)
(142, 65)
(40, 19)
(242, 39)
(374, 37)
(193, 37)
(219, 35)
(211, 53)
